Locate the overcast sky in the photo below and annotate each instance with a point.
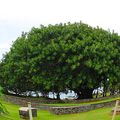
(21, 15)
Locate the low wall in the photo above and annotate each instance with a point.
(41, 104)
(24, 100)
(35, 102)
(79, 109)
(90, 100)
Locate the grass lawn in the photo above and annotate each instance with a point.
(99, 114)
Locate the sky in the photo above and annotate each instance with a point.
(17, 16)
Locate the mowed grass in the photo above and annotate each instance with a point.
(99, 114)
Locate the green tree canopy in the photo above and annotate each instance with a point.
(61, 57)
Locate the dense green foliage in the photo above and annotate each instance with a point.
(61, 57)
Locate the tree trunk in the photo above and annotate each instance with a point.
(58, 96)
(84, 93)
(97, 94)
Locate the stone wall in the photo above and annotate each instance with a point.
(90, 100)
(41, 104)
(79, 109)
(24, 100)
(35, 102)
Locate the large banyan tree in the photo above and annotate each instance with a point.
(59, 57)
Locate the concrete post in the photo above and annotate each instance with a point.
(114, 113)
(30, 111)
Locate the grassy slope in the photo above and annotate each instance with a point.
(99, 114)
(83, 103)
